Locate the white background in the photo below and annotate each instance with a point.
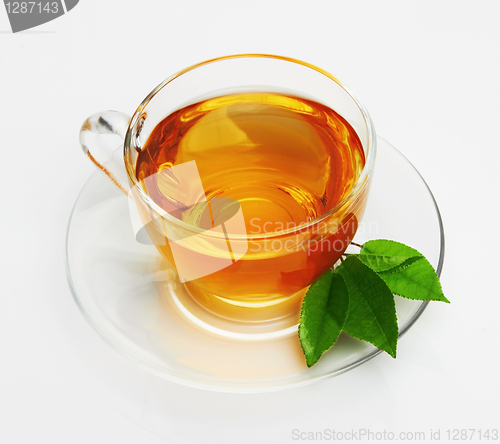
(428, 72)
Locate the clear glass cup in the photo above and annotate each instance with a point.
(275, 266)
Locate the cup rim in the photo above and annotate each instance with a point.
(301, 228)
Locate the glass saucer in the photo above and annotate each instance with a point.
(127, 292)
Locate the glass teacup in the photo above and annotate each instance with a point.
(227, 268)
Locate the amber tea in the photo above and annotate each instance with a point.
(288, 161)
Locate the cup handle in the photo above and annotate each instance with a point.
(99, 152)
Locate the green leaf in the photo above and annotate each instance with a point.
(358, 297)
(372, 313)
(323, 314)
(405, 271)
